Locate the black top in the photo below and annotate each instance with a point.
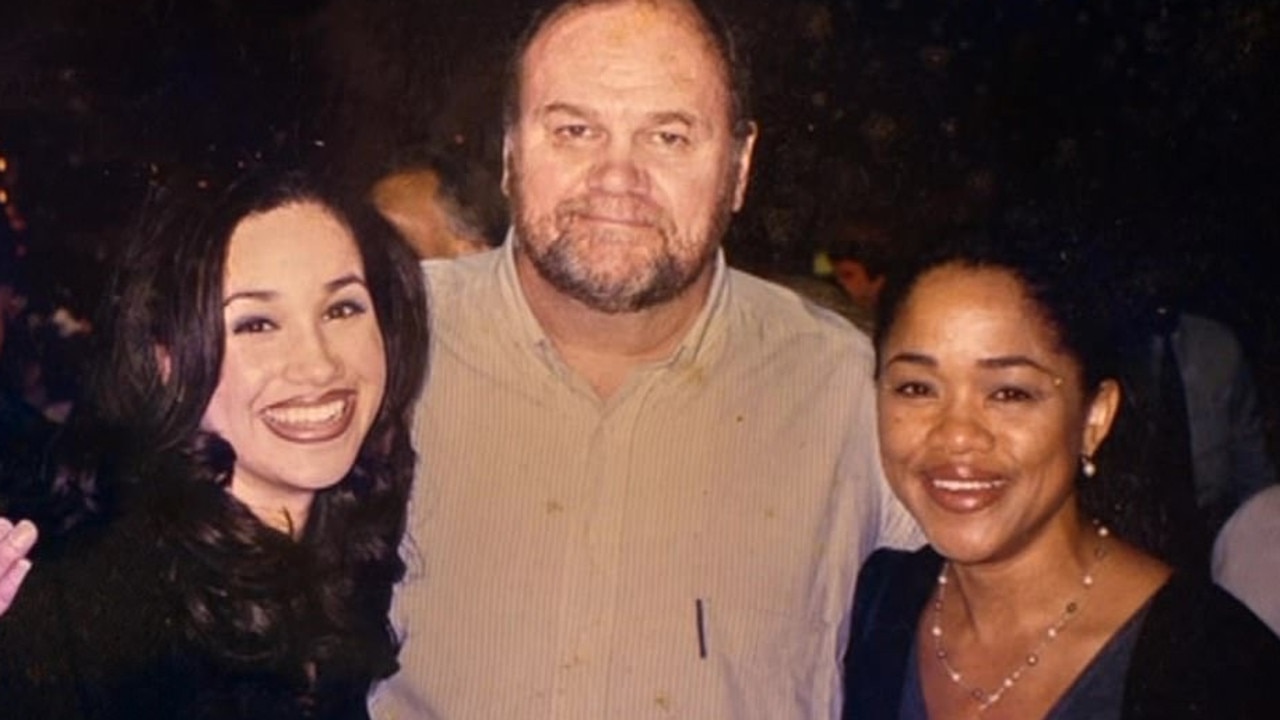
(1199, 653)
(1096, 694)
(95, 632)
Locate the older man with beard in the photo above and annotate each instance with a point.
(647, 479)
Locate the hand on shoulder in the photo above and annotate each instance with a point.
(15, 542)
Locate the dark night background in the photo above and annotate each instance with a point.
(1158, 119)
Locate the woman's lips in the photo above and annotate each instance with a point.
(962, 489)
(312, 421)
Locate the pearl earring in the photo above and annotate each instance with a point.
(1087, 466)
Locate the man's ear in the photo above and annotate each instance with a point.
(506, 164)
(742, 165)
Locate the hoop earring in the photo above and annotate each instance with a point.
(1087, 466)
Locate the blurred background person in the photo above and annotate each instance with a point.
(860, 248)
(1202, 431)
(443, 204)
(1246, 555)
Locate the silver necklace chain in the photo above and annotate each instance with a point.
(987, 698)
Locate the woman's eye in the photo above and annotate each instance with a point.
(1011, 394)
(252, 325)
(912, 389)
(345, 309)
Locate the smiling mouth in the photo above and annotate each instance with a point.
(312, 421)
(956, 490)
(961, 486)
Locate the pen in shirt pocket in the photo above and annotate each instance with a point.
(700, 624)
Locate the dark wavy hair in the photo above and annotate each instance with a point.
(1068, 272)
(313, 610)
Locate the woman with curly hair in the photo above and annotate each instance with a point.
(222, 536)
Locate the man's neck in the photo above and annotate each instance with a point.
(604, 348)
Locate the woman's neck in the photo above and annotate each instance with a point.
(1030, 589)
(281, 518)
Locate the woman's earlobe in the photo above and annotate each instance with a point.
(164, 363)
(1101, 414)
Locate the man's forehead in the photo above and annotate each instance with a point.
(637, 14)
(614, 39)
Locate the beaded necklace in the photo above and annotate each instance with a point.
(985, 698)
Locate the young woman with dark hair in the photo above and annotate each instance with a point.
(222, 535)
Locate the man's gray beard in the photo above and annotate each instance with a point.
(660, 281)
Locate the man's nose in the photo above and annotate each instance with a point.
(619, 168)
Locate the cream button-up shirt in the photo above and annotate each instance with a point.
(685, 549)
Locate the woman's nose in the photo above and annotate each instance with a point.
(311, 359)
(960, 427)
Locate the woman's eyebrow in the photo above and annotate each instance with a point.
(1014, 361)
(260, 295)
(348, 279)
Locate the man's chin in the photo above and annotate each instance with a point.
(611, 299)
(615, 269)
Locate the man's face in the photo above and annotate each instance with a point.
(621, 166)
(858, 284)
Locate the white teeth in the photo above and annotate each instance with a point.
(965, 485)
(313, 415)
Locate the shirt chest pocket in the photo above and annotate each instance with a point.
(775, 660)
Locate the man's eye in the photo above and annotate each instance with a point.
(574, 132)
(670, 139)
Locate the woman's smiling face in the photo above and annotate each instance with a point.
(982, 416)
(304, 367)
